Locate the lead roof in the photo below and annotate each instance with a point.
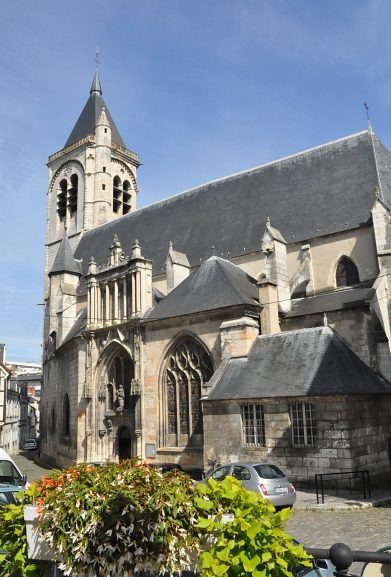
(325, 190)
(296, 363)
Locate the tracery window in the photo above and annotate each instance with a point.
(188, 368)
(121, 196)
(347, 273)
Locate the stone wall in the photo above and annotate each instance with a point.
(351, 433)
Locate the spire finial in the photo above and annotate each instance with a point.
(368, 118)
(97, 58)
(325, 321)
(268, 221)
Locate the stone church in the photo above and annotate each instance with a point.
(247, 318)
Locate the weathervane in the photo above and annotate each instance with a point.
(97, 62)
(368, 119)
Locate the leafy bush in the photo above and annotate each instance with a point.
(127, 519)
(246, 535)
(13, 540)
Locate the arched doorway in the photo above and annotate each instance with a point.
(124, 443)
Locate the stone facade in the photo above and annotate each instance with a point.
(349, 432)
(135, 332)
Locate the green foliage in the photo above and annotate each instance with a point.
(13, 540)
(125, 519)
(245, 535)
(119, 519)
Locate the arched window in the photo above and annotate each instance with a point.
(188, 368)
(66, 416)
(121, 196)
(126, 197)
(62, 199)
(117, 194)
(347, 273)
(72, 194)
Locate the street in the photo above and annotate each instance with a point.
(25, 461)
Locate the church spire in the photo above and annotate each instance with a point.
(96, 87)
(88, 119)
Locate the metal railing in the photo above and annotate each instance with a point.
(348, 478)
(342, 557)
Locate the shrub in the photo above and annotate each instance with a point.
(127, 519)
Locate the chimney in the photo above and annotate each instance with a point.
(268, 300)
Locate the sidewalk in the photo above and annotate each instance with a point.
(306, 499)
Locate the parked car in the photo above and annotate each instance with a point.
(9, 472)
(30, 445)
(263, 478)
(8, 492)
(166, 467)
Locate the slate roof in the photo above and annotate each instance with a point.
(65, 261)
(332, 301)
(324, 190)
(78, 327)
(88, 118)
(216, 284)
(296, 363)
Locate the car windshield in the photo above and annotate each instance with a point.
(269, 471)
(9, 474)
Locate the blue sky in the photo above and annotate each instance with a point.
(199, 89)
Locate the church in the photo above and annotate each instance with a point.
(245, 319)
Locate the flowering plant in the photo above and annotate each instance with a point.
(119, 519)
(127, 519)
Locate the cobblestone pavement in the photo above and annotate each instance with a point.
(360, 529)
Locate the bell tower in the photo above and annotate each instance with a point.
(92, 179)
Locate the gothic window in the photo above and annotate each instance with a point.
(303, 424)
(347, 273)
(121, 196)
(62, 199)
(121, 376)
(66, 416)
(188, 368)
(253, 425)
(72, 194)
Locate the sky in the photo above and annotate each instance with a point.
(199, 89)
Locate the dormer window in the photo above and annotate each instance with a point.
(347, 273)
(121, 196)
